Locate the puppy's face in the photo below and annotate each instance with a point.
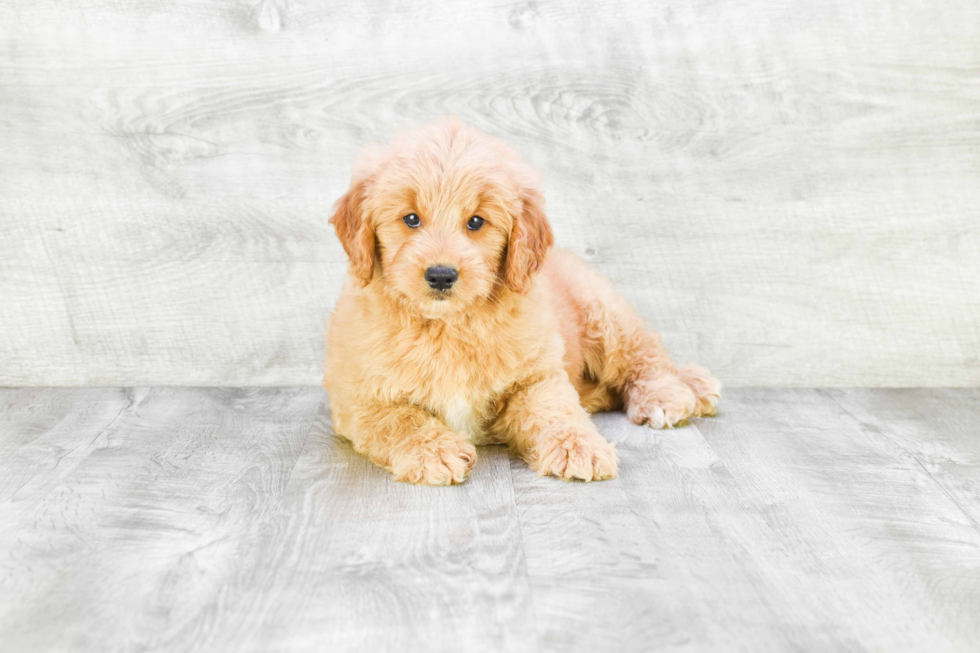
(444, 219)
(440, 240)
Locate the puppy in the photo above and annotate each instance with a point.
(460, 325)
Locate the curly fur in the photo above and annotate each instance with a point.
(528, 341)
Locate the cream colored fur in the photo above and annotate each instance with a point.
(524, 346)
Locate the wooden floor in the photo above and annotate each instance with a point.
(180, 519)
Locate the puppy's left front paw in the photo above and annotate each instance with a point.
(574, 453)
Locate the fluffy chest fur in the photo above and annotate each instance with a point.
(457, 370)
(461, 415)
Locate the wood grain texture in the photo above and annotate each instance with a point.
(234, 520)
(785, 524)
(789, 191)
(129, 527)
(189, 519)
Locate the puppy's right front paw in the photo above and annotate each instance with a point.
(574, 454)
(441, 459)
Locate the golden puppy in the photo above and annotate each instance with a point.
(460, 325)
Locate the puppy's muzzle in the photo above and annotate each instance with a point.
(441, 277)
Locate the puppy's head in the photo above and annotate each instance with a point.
(443, 219)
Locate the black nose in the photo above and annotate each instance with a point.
(440, 277)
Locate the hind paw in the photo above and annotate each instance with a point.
(660, 403)
(669, 399)
(706, 388)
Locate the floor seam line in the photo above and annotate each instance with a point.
(523, 546)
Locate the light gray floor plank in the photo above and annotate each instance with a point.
(938, 430)
(45, 433)
(217, 520)
(864, 550)
(127, 547)
(778, 525)
(358, 562)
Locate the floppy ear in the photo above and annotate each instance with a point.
(354, 233)
(530, 240)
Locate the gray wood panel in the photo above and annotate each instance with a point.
(785, 524)
(788, 190)
(124, 536)
(357, 562)
(189, 519)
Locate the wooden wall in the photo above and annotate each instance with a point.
(789, 190)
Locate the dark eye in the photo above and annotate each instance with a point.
(412, 220)
(474, 223)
